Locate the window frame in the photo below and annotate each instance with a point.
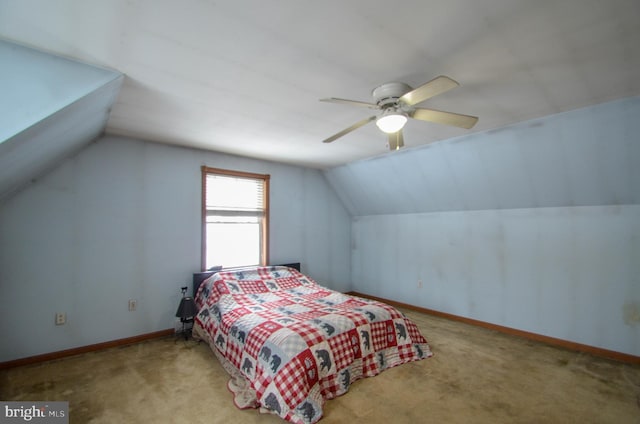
(264, 248)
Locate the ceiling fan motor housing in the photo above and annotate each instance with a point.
(388, 94)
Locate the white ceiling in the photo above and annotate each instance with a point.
(244, 77)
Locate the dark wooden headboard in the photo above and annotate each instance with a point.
(199, 277)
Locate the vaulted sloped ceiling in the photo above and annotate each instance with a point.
(244, 77)
(50, 108)
(586, 157)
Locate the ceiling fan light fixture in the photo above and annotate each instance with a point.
(391, 121)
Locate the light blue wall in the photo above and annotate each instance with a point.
(572, 273)
(121, 220)
(50, 108)
(34, 85)
(589, 156)
(533, 226)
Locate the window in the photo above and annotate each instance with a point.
(235, 218)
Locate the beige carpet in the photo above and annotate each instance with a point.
(476, 376)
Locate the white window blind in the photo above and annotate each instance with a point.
(228, 195)
(235, 218)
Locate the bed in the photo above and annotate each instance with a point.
(289, 344)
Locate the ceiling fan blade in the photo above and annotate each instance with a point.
(434, 87)
(348, 130)
(350, 102)
(446, 118)
(396, 140)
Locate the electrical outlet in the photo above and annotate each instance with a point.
(419, 284)
(61, 318)
(133, 304)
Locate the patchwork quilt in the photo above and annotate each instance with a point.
(289, 344)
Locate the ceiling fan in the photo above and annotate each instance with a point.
(396, 102)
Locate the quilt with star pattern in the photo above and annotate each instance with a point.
(289, 343)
